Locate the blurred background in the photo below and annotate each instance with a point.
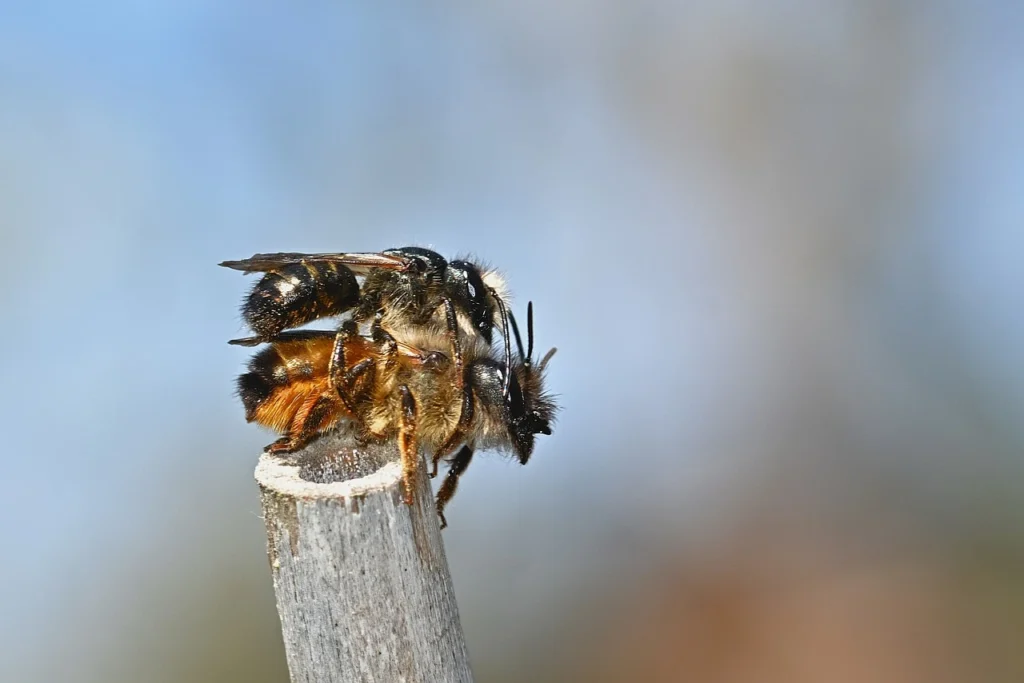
(777, 244)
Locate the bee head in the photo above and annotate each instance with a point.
(530, 411)
(517, 418)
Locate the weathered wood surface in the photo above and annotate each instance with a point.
(361, 579)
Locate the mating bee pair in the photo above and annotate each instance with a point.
(426, 375)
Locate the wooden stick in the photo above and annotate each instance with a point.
(361, 579)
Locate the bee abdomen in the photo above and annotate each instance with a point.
(267, 372)
(253, 389)
(298, 294)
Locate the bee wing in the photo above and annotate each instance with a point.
(289, 336)
(357, 263)
(354, 345)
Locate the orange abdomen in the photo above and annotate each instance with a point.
(287, 388)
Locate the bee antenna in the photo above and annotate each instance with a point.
(547, 357)
(505, 388)
(519, 340)
(529, 329)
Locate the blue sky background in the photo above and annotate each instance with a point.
(778, 247)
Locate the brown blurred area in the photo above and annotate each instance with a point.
(780, 601)
(862, 532)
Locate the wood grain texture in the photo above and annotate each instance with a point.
(361, 579)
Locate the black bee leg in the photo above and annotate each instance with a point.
(458, 435)
(387, 347)
(336, 368)
(461, 385)
(315, 420)
(407, 445)
(453, 333)
(358, 379)
(312, 419)
(435, 361)
(507, 380)
(451, 482)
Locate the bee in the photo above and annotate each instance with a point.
(402, 288)
(404, 390)
(528, 410)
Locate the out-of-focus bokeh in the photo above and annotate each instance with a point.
(778, 246)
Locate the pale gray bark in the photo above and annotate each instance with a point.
(361, 579)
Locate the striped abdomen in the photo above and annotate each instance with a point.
(288, 390)
(297, 294)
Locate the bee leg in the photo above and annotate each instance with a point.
(507, 383)
(407, 445)
(458, 435)
(281, 446)
(357, 378)
(387, 347)
(466, 416)
(451, 482)
(453, 334)
(336, 367)
(312, 419)
(435, 361)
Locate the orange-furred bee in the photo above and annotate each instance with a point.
(403, 288)
(399, 389)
